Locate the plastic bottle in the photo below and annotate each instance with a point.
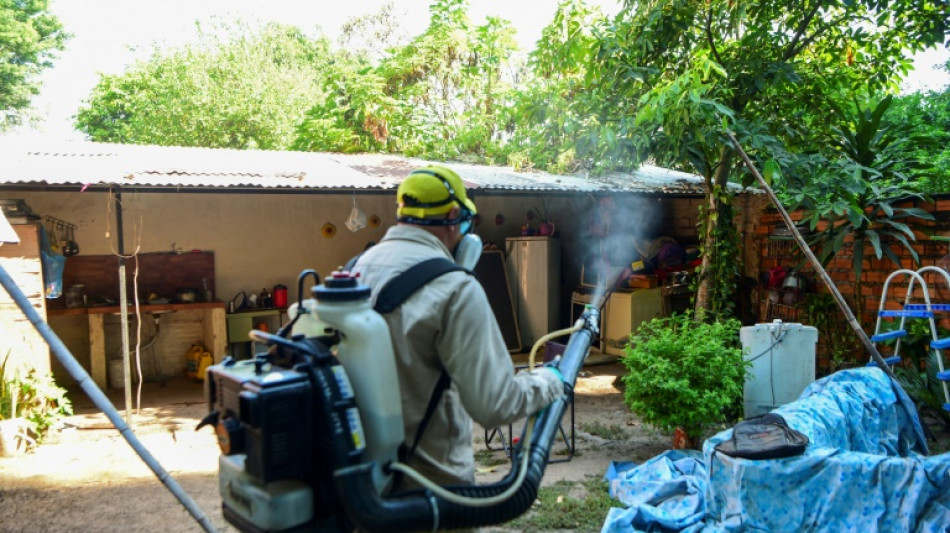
(203, 364)
(366, 353)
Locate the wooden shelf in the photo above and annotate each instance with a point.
(148, 308)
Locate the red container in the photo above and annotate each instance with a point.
(280, 296)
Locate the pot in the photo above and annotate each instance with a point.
(793, 282)
(186, 295)
(14, 437)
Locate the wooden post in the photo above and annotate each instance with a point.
(97, 349)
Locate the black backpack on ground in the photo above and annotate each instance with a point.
(766, 436)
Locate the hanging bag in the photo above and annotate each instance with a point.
(357, 219)
(53, 265)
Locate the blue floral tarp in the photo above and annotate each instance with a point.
(865, 469)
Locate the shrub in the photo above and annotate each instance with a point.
(684, 373)
(33, 397)
(922, 385)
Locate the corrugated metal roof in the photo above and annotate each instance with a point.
(35, 162)
(81, 163)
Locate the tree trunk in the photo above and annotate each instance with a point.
(709, 242)
(719, 180)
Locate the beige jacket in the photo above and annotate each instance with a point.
(449, 324)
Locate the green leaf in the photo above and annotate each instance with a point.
(771, 171)
(900, 226)
(875, 242)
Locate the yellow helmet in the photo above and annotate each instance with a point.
(432, 191)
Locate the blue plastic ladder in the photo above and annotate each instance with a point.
(915, 311)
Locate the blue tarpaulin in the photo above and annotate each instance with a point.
(865, 469)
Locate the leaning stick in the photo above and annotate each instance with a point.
(852, 321)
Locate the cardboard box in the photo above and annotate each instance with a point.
(642, 281)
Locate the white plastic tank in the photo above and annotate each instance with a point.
(366, 353)
(309, 325)
(783, 364)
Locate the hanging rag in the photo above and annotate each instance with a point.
(357, 219)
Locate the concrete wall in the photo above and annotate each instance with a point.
(263, 239)
(260, 240)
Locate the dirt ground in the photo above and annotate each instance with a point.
(87, 477)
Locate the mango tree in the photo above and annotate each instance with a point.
(678, 73)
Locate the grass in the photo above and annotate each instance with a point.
(556, 508)
(605, 431)
(488, 458)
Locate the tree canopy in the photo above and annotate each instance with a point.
(249, 90)
(927, 113)
(679, 73)
(440, 95)
(29, 39)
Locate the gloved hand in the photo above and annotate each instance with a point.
(553, 366)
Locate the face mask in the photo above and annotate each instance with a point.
(468, 251)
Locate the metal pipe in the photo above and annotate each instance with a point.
(123, 308)
(99, 398)
(842, 304)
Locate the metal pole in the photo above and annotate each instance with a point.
(842, 304)
(99, 398)
(123, 309)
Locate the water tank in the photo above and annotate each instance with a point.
(783, 364)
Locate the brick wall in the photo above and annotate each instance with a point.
(774, 252)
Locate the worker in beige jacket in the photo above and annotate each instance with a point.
(448, 325)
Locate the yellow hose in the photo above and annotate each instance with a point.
(498, 498)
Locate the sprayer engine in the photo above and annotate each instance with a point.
(282, 430)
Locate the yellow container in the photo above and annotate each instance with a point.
(203, 364)
(193, 357)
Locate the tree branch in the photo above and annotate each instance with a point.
(792, 52)
(709, 37)
(806, 20)
(799, 42)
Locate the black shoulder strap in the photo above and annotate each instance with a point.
(349, 264)
(440, 386)
(392, 296)
(406, 284)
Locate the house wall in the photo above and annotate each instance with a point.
(18, 337)
(773, 252)
(263, 239)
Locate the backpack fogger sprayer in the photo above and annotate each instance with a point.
(310, 430)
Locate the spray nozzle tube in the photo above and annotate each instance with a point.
(506, 499)
(591, 318)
